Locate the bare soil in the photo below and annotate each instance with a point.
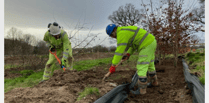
(64, 87)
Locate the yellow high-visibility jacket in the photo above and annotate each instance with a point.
(62, 43)
(130, 38)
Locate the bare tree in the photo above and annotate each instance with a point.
(125, 16)
(15, 35)
(112, 48)
(41, 48)
(81, 41)
(173, 30)
(19, 43)
(194, 40)
(199, 13)
(28, 38)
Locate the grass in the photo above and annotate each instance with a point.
(88, 91)
(8, 66)
(30, 78)
(202, 79)
(199, 50)
(88, 64)
(43, 56)
(197, 59)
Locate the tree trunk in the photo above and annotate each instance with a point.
(163, 57)
(159, 56)
(176, 54)
(176, 44)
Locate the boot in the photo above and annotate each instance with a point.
(143, 87)
(42, 81)
(154, 81)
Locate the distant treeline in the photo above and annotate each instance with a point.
(18, 47)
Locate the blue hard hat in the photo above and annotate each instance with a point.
(110, 29)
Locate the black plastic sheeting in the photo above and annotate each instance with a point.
(120, 93)
(194, 84)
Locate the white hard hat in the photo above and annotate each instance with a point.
(54, 30)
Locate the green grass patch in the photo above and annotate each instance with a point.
(29, 79)
(88, 64)
(202, 79)
(88, 91)
(44, 56)
(7, 66)
(166, 56)
(169, 56)
(26, 73)
(197, 59)
(200, 50)
(14, 71)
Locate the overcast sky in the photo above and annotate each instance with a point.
(33, 16)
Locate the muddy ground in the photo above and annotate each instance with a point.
(65, 87)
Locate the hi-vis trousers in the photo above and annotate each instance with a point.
(52, 64)
(146, 59)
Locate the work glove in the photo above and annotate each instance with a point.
(63, 61)
(52, 48)
(112, 69)
(126, 57)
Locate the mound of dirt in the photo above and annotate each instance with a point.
(64, 87)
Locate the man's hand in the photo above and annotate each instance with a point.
(112, 69)
(52, 48)
(63, 61)
(126, 57)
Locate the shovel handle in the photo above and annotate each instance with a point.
(108, 74)
(54, 53)
(119, 63)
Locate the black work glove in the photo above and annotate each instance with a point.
(126, 56)
(52, 48)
